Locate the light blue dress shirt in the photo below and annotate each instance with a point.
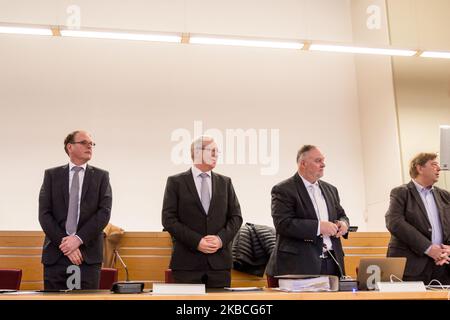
(427, 196)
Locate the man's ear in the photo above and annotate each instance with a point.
(197, 156)
(419, 168)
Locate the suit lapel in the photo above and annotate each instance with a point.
(440, 207)
(331, 213)
(214, 182)
(189, 179)
(304, 196)
(86, 182)
(65, 184)
(416, 195)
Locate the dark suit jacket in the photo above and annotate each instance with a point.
(185, 219)
(298, 247)
(410, 228)
(95, 211)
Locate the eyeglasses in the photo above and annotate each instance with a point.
(216, 151)
(84, 143)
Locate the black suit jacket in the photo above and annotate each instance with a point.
(95, 211)
(185, 219)
(297, 248)
(410, 228)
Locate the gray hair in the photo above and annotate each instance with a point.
(303, 150)
(199, 143)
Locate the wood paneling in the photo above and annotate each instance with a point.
(147, 256)
(363, 245)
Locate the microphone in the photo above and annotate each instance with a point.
(123, 264)
(337, 263)
(126, 286)
(346, 283)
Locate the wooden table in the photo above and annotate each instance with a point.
(266, 294)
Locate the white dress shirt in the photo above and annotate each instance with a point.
(320, 206)
(196, 172)
(198, 181)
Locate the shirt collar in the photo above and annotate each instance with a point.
(309, 184)
(421, 188)
(196, 172)
(71, 165)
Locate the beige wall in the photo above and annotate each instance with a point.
(378, 120)
(423, 100)
(133, 95)
(422, 86)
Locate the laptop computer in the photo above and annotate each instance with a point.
(373, 270)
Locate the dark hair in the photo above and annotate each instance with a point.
(420, 160)
(70, 139)
(304, 149)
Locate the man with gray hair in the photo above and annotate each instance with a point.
(202, 214)
(309, 221)
(418, 219)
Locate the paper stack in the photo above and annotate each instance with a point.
(312, 284)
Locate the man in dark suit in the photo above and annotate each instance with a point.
(202, 214)
(418, 219)
(74, 208)
(309, 221)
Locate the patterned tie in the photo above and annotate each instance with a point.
(205, 197)
(72, 214)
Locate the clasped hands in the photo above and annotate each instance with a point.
(70, 247)
(336, 229)
(440, 254)
(209, 244)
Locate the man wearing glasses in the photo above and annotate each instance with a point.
(202, 214)
(74, 207)
(418, 219)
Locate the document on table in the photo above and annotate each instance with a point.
(312, 284)
(14, 292)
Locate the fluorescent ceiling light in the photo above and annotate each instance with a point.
(346, 49)
(23, 30)
(246, 42)
(121, 35)
(435, 54)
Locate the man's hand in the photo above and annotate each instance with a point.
(76, 257)
(446, 248)
(328, 228)
(69, 244)
(444, 257)
(436, 252)
(214, 240)
(208, 245)
(342, 228)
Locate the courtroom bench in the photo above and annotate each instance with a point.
(147, 255)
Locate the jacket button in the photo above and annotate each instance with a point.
(430, 229)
